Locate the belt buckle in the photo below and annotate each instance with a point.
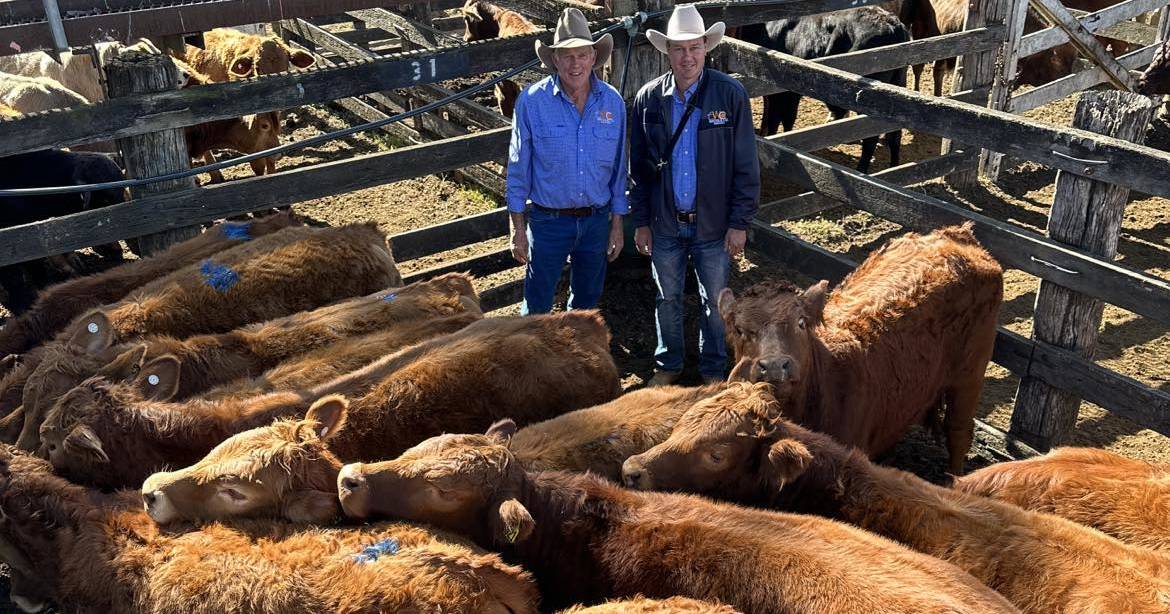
(686, 217)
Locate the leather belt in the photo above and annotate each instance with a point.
(684, 217)
(571, 212)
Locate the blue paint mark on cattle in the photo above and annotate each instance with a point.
(369, 554)
(218, 276)
(390, 297)
(237, 231)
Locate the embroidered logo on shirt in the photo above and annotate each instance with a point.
(717, 118)
(605, 117)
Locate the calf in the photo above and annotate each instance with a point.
(533, 367)
(483, 20)
(908, 332)
(248, 134)
(50, 168)
(78, 72)
(928, 18)
(598, 439)
(35, 94)
(819, 36)
(288, 271)
(100, 552)
(1128, 499)
(641, 605)
(230, 54)
(736, 446)
(586, 539)
(58, 305)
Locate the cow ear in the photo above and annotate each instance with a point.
(513, 523)
(472, 13)
(93, 333)
(814, 300)
(726, 304)
(125, 365)
(317, 506)
(301, 59)
(9, 363)
(502, 430)
(159, 379)
(329, 413)
(241, 66)
(82, 441)
(788, 458)
(742, 372)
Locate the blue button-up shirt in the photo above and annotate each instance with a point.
(561, 158)
(682, 162)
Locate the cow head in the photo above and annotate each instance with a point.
(730, 446)
(253, 133)
(463, 483)
(267, 55)
(1155, 81)
(771, 329)
(283, 470)
(479, 21)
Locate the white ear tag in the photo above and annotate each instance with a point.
(324, 430)
(92, 327)
(152, 380)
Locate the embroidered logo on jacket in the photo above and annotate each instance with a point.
(717, 118)
(605, 117)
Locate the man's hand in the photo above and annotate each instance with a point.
(617, 238)
(520, 246)
(734, 242)
(643, 241)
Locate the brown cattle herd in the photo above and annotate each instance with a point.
(265, 418)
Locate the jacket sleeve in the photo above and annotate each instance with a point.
(745, 181)
(641, 174)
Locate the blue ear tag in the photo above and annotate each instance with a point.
(218, 276)
(237, 230)
(390, 297)
(369, 554)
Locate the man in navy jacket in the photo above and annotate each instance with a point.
(695, 186)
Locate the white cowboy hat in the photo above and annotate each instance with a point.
(686, 24)
(573, 31)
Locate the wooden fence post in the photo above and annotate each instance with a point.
(155, 153)
(646, 64)
(993, 68)
(1086, 214)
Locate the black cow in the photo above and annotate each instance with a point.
(50, 167)
(818, 36)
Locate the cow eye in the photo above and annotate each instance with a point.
(716, 457)
(800, 323)
(234, 495)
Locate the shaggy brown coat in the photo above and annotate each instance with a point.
(587, 540)
(288, 271)
(598, 439)
(58, 305)
(101, 553)
(641, 605)
(1126, 498)
(534, 368)
(736, 446)
(230, 54)
(909, 332)
(483, 20)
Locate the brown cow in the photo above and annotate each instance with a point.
(1126, 498)
(483, 20)
(598, 439)
(1155, 79)
(736, 446)
(533, 367)
(99, 552)
(586, 539)
(58, 305)
(907, 333)
(230, 54)
(641, 605)
(285, 272)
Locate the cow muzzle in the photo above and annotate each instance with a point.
(353, 491)
(635, 475)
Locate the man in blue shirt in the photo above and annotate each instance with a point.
(695, 185)
(566, 186)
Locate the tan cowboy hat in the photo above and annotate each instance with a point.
(686, 24)
(573, 31)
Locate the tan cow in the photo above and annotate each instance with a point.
(586, 539)
(93, 551)
(27, 95)
(737, 446)
(641, 605)
(230, 54)
(79, 72)
(1126, 498)
(483, 20)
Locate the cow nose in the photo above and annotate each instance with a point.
(632, 472)
(352, 483)
(778, 368)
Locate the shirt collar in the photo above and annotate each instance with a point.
(594, 85)
(670, 86)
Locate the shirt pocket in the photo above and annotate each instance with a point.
(552, 150)
(606, 143)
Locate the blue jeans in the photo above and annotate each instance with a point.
(669, 263)
(555, 238)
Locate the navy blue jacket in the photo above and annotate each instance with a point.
(726, 167)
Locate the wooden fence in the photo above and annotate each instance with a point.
(471, 135)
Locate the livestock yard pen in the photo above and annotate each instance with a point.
(380, 58)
